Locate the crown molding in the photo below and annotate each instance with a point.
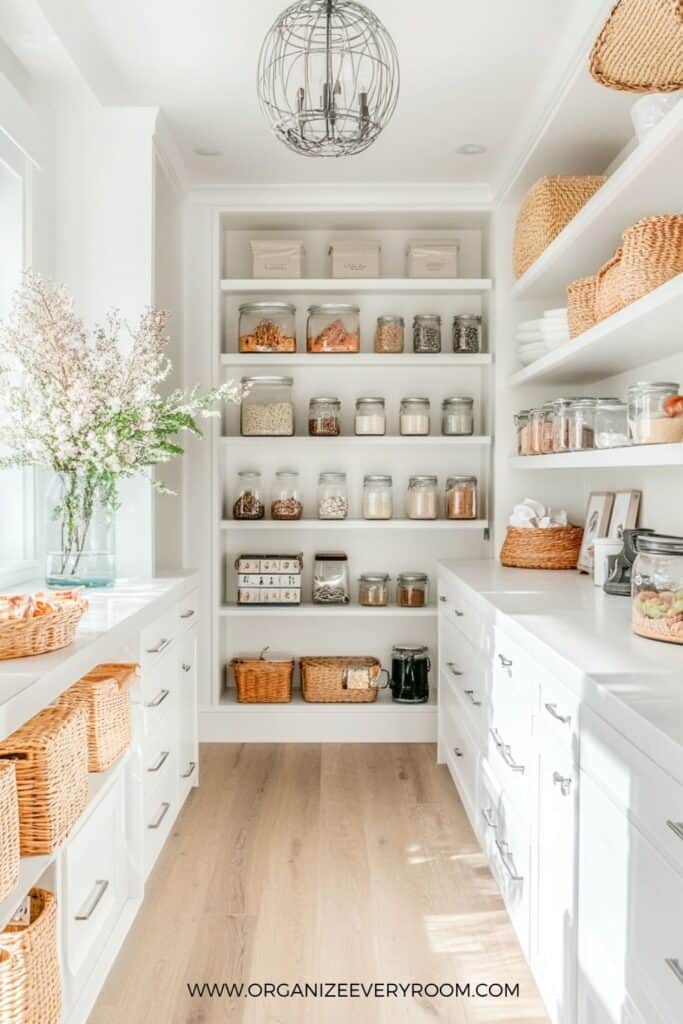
(362, 198)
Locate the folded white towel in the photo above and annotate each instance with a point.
(555, 314)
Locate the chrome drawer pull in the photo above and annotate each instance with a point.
(563, 782)
(93, 901)
(453, 669)
(161, 646)
(676, 967)
(470, 694)
(458, 615)
(552, 710)
(190, 769)
(186, 668)
(676, 827)
(159, 699)
(165, 808)
(505, 662)
(163, 758)
(487, 815)
(508, 862)
(458, 752)
(443, 599)
(188, 614)
(505, 752)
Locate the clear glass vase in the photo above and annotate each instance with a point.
(80, 541)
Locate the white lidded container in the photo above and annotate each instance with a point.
(277, 258)
(430, 258)
(359, 257)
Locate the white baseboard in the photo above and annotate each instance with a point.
(317, 723)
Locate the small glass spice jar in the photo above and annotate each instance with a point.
(324, 417)
(412, 589)
(414, 419)
(427, 333)
(457, 416)
(371, 417)
(286, 500)
(390, 334)
(333, 502)
(249, 503)
(373, 589)
(377, 496)
(461, 497)
(535, 431)
(422, 501)
(582, 424)
(611, 423)
(522, 431)
(561, 424)
(467, 333)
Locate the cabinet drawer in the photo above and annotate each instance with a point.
(160, 678)
(156, 639)
(160, 812)
(159, 780)
(460, 609)
(465, 695)
(455, 648)
(559, 715)
(462, 758)
(514, 673)
(188, 609)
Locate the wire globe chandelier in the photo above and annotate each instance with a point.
(328, 77)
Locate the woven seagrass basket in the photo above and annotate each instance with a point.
(652, 253)
(555, 548)
(9, 829)
(104, 694)
(330, 680)
(547, 208)
(30, 978)
(581, 305)
(640, 48)
(23, 638)
(261, 681)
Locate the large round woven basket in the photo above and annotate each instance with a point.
(23, 638)
(30, 978)
(555, 548)
(547, 208)
(640, 48)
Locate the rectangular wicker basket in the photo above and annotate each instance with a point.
(581, 305)
(50, 755)
(260, 681)
(555, 548)
(326, 680)
(547, 208)
(30, 978)
(9, 829)
(104, 693)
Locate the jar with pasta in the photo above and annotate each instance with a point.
(412, 589)
(389, 334)
(373, 589)
(267, 327)
(333, 328)
(286, 499)
(461, 497)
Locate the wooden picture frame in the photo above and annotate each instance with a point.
(598, 512)
(624, 513)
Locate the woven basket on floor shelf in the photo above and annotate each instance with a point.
(547, 208)
(23, 638)
(609, 288)
(557, 547)
(50, 755)
(260, 681)
(581, 305)
(30, 978)
(640, 48)
(104, 694)
(9, 829)
(324, 680)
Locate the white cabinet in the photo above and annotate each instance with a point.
(187, 719)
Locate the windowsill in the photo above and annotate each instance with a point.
(13, 574)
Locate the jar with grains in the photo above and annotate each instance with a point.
(427, 333)
(657, 588)
(561, 424)
(457, 417)
(286, 501)
(414, 419)
(535, 431)
(267, 327)
(267, 408)
(333, 502)
(467, 333)
(422, 501)
(582, 424)
(390, 334)
(547, 429)
(611, 423)
(324, 417)
(522, 431)
(647, 420)
(371, 417)
(377, 496)
(333, 328)
(373, 589)
(249, 503)
(461, 497)
(412, 589)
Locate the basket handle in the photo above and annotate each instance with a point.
(262, 655)
(387, 684)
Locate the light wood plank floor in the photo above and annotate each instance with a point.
(314, 863)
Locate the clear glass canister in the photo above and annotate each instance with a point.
(390, 334)
(267, 327)
(582, 424)
(461, 497)
(561, 424)
(422, 500)
(457, 416)
(647, 421)
(611, 423)
(249, 503)
(427, 333)
(521, 420)
(373, 589)
(286, 499)
(414, 419)
(333, 328)
(324, 417)
(333, 502)
(547, 428)
(657, 588)
(331, 578)
(535, 431)
(267, 408)
(412, 589)
(377, 497)
(467, 332)
(371, 417)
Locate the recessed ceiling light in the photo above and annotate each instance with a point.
(471, 149)
(207, 151)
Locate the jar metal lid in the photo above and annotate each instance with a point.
(611, 403)
(452, 481)
(415, 401)
(390, 318)
(659, 544)
(259, 307)
(374, 577)
(370, 401)
(427, 316)
(333, 307)
(458, 400)
(412, 577)
(377, 478)
(654, 385)
(331, 478)
(325, 400)
(585, 402)
(406, 652)
(268, 380)
(422, 479)
(287, 472)
(467, 316)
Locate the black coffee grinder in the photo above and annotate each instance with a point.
(621, 565)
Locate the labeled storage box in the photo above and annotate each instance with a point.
(263, 679)
(359, 258)
(104, 693)
(30, 977)
(277, 258)
(9, 829)
(269, 579)
(433, 258)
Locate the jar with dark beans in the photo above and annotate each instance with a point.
(324, 417)
(467, 333)
(427, 333)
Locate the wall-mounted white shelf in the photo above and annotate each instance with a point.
(342, 611)
(259, 525)
(643, 332)
(475, 441)
(404, 360)
(297, 703)
(642, 455)
(648, 182)
(356, 286)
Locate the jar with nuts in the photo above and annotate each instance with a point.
(249, 503)
(286, 503)
(333, 502)
(390, 334)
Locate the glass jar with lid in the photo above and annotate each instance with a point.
(324, 417)
(521, 420)
(390, 334)
(611, 423)
(333, 502)
(414, 419)
(461, 497)
(657, 588)
(647, 420)
(457, 416)
(371, 417)
(286, 499)
(373, 589)
(581, 416)
(267, 408)
(333, 327)
(377, 496)
(535, 431)
(267, 327)
(422, 501)
(249, 503)
(547, 428)
(561, 424)
(467, 333)
(412, 589)
(427, 333)
(410, 667)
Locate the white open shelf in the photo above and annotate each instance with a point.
(260, 525)
(643, 332)
(382, 704)
(342, 611)
(475, 441)
(317, 360)
(356, 286)
(642, 455)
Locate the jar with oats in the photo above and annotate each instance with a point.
(267, 407)
(461, 497)
(267, 327)
(390, 334)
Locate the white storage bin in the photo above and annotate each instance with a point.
(433, 258)
(273, 258)
(359, 258)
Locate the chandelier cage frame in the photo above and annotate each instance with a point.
(328, 77)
